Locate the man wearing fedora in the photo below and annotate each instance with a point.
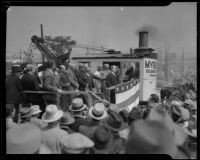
(52, 133)
(66, 121)
(13, 90)
(103, 141)
(116, 124)
(51, 84)
(97, 114)
(25, 115)
(78, 109)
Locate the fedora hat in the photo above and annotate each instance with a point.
(35, 109)
(76, 143)
(98, 111)
(191, 129)
(77, 105)
(23, 139)
(164, 117)
(150, 137)
(52, 113)
(136, 113)
(115, 122)
(16, 69)
(176, 108)
(25, 112)
(66, 119)
(103, 139)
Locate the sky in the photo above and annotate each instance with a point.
(112, 27)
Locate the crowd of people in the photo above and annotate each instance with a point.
(69, 126)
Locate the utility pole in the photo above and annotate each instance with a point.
(183, 62)
(20, 54)
(42, 36)
(166, 62)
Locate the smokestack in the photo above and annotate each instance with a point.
(143, 39)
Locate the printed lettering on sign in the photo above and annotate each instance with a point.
(150, 68)
(150, 64)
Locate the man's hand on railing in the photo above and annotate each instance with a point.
(59, 91)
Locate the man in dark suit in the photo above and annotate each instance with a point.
(51, 83)
(30, 82)
(13, 90)
(112, 78)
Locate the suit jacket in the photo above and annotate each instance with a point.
(13, 90)
(132, 74)
(51, 83)
(89, 80)
(51, 137)
(79, 120)
(81, 80)
(63, 79)
(111, 80)
(72, 79)
(30, 82)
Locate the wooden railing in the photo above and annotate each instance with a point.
(89, 94)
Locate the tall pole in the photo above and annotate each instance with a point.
(20, 55)
(183, 59)
(42, 36)
(166, 61)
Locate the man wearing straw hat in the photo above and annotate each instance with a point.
(78, 109)
(97, 114)
(35, 113)
(52, 134)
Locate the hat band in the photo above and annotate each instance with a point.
(96, 115)
(115, 125)
(77, 108)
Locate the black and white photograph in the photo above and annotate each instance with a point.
(101, 80)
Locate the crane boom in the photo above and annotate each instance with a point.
(39, 43)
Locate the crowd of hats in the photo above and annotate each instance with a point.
(145, 130)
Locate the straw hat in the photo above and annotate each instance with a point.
(23, 139)
(67, 119)
(77, 105)
(35, 109)
(52, 114)
(76, 143)
(98, 111)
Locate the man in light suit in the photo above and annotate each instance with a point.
(51, 83)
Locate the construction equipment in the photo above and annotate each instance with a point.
(47, 53)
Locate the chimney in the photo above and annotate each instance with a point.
(143, 39)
